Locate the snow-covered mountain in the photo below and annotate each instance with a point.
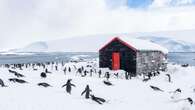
(173, 45)
(34, 47)
(95, 42)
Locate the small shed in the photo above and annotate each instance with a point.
(135, 56)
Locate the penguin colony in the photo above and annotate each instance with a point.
(83, 72)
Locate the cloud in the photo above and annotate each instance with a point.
(23, 22)
(168, 3)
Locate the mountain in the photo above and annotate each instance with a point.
(34, 47)
(95, 42)
(173, 45)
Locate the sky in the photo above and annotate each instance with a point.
(26, 21)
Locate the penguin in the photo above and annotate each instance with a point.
(98, 99)
(64, 70)
(11, 71)
(69, 69)
(156, 88)
(87, 92)
(35, 69)
(21, 81)
(18, 80)
(46, 71)
(190, 100)
(178, 90)
(116, 75)
(43, 75)
(68, 86)
(12, 80)
(108, 83)
(99, 73)
(56, 67)
(169, 77)
(176, 93)
(146, 79)
(2, 83)
(18, 75)
(44, 84)
(107, 75)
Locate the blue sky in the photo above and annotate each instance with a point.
(130, 3)
(140, 4)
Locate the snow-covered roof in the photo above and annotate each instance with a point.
(142, 45)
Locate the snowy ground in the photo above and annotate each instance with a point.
(131, 94)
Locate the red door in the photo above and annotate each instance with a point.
(115, 61)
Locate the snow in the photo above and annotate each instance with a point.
(171, 44)
(140, 44)
(78, 44)
(95, 42)
(83, 44)
(41, 46)
(34, 47)
(124, 95)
